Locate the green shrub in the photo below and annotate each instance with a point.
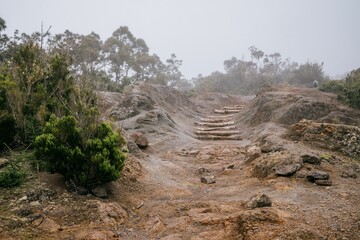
(11, 177)
(348, 89)
(87, 159)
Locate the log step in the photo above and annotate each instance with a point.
(220, 124)
(221, 116)
(227, 111)
(214, 120)
(211, 137)
(233, 108)
(217, 133)
(215, 128)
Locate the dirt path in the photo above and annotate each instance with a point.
(162, 195)
(178, 205)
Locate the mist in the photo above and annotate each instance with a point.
(205, 33)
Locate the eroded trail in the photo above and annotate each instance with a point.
(197, 188)
(206, 158)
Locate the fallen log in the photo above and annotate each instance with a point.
(217, 133)
(210, 137)
(221, 124)
(215, 128)
(227, 111)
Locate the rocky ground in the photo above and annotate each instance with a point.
(283, 178)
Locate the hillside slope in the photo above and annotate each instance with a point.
(180, 187)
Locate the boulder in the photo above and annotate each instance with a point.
(287, 170)
(312, 159)
(208, 179)
(258, 201)
(140, 140)
(323, 182)
(99, 192)
(317, 175)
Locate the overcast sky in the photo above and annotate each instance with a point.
(204, 33)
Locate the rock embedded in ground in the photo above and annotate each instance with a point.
(253, 153)
(317, 175)
(258, 201)
(312, 159)
(287, 169)
(323, 182)
(202, 170)
(99, 192)
(150, 117)
(208, 179)
(140, 140)
(349, 174)
(82, 191)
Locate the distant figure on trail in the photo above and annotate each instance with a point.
(315, 84)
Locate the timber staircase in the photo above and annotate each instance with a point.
(220, 126)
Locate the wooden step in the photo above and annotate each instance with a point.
(226, 111)
(215, 120)
(217, 133)
(232, 108)
(211, 137)
(220, 124)
(221, 116)
(216, 128)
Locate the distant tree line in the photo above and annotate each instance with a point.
(246, 76)
(120, 60)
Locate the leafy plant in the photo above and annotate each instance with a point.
(11, 178)
(348, 89)
(87, 160)
(14, 174)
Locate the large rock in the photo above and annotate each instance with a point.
(130, 106)
(323, 182)
(317, 175)
(258, 201)
(99, 192)
(287, 169)
(140, 140)
(208, 179)
(312, 159)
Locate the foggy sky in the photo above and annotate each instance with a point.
(204, 33)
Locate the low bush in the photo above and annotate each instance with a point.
(11, 177)
(348, 89)
(88, 158)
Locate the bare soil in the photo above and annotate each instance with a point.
(161, 196)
